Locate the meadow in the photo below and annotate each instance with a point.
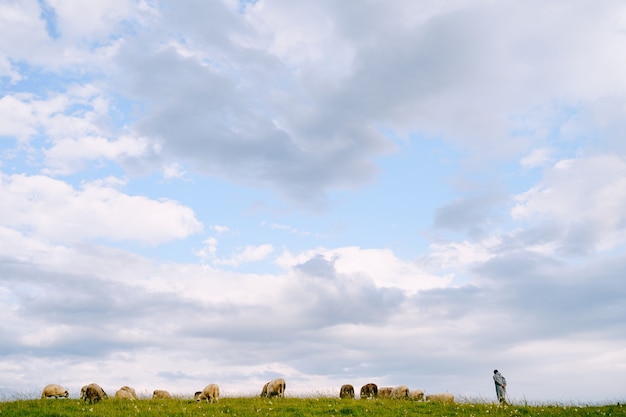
(296, 407)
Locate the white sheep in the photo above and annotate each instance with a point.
(416, 395)
(210, 393)
(440, 398)
(274, 388)
(160, 394)
(54, 390)
(127, 393)
(401, 392)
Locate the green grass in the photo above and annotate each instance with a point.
(293, 407)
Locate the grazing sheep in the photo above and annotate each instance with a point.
(401, 392)
(130, 390)
(416, 395)
(126, 393)
(346, 391)
(210, 393)
(369, 391)
(274, 388)
(54, 390)
(161, 394)
(440, 398)
(384, 392)
(92, 393)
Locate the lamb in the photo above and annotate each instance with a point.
(161, 394)
(54, 390)
(441, 398)
(210, 393)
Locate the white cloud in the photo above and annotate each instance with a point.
(55, 210)
(585, 196)
(209, 249)
(68, 156)
(76, 112)
(459, 256)
(22, 28)
(239, 256)
(220, 229)
(302, 36)
(250, 253)
(380, 266)
(6, 70)
(84, 37)
(289, 229)
(94, 20)
(16, 118)
(537, 158)
(171, 171)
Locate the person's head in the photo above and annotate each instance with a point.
(495, 371)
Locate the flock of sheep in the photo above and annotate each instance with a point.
(211, 393)
(274, 388)
(400, 392)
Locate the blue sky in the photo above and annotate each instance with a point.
(404, 193)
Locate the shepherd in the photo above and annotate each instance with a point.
(500, 381)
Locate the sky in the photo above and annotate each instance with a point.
(405, 193)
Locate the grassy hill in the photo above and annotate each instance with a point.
(296, 407)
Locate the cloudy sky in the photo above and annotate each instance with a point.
(398, 192)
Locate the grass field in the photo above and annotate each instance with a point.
(296, 407)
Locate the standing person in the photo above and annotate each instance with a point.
(500, 386)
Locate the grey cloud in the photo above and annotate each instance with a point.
(449, 303)
(530, 236)
(241, 113)
(335, 326)
(352, 303)
(471, 214)
(564, 299)
(338, 299)
(225, 128)
(91, 315)
(175, 376)
(580, 239)
(306, 306)
(318, 266)
(188, 19)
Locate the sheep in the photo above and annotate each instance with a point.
(441, 398)
(346, 391)
(131, 391)
(54, 390)
(384, 392)
(274, 388)
(401, 392)
(210, 393)
(161, 394)
(369, 391)
(92, 393)
(126, 393)
(416, 395)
